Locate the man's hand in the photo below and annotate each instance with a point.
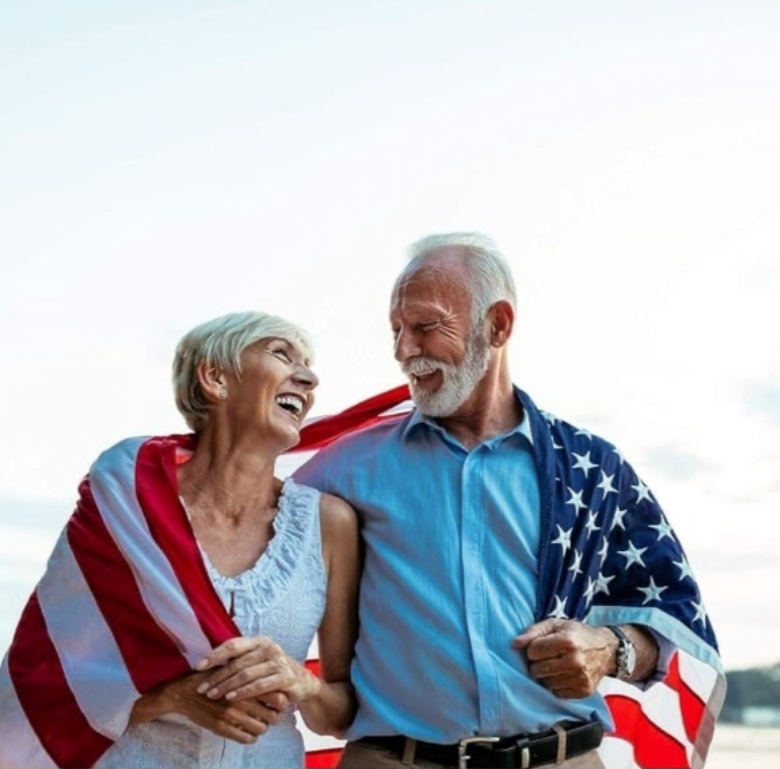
(569, 658)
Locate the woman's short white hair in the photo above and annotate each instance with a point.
(221, 342)
(490, 277)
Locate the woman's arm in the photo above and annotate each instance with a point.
(254, 667)
(333, 710)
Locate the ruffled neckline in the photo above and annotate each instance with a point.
(274, 569)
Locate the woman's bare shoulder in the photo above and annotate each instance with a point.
(338, 517)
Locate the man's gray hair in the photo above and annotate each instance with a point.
(490, 277)
(220, 342)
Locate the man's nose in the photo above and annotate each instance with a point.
(406, 346)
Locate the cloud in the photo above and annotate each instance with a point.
(675, 463)
(737, 563)
(763, 398)
(34, 514)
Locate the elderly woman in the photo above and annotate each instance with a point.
(172, 625)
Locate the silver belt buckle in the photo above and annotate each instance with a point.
(463, 746)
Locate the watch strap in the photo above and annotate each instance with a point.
(621, 636)
(624, 645)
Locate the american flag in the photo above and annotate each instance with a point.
(127, 602)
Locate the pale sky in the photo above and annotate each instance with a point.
(164, 163)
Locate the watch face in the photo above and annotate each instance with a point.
(626, 654)
(630, 659)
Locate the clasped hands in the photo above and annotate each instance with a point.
(567, 657)
(241, 688)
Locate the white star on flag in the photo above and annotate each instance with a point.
(633, 554)
(642, 491)
(603, 552)
(663, 528)
(602, 584)
(652, 591)
(564, 539)
(684, 567)
(558, 611)
(575, 567)
(701, 614)
(606, 484)
(583, 462)
(618, 519)
(591, 524)
(590, 591)
(575, 500)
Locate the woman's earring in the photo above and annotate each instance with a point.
(222, 394)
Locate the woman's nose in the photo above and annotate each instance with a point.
(305, 377)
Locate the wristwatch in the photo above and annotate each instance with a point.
(626, 654)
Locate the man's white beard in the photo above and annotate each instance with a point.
(458, 382)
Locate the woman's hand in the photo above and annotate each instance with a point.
(241, 722)
(251, 668)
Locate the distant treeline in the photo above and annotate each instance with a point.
(756, 687)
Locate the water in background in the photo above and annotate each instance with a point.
(744, 747)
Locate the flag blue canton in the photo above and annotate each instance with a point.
(610, 543)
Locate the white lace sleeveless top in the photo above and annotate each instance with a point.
(282, 596)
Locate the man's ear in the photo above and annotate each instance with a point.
(212, 381)
(502, 318)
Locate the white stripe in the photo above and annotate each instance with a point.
(112, 480)
(615, 752)
(401, 408)
(314, 650)
(609, 685)
(661, 705)
(701, 678)
(90, 658)
(19, 745)
(288, 463)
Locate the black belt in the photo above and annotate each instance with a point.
(522, 751)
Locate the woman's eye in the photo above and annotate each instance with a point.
(280, 352)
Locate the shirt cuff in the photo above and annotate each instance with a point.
(666, 650)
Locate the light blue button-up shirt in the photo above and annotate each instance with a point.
(450, 578)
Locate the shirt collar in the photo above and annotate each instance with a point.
(417, 419)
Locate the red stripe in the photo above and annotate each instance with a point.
(358, 417)
(149, 653)
(323, 759)
(653, 747)
(693, 709)
(315, 667)
(45, 696)
(157, 488)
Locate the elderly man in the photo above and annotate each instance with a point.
(512, 561)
